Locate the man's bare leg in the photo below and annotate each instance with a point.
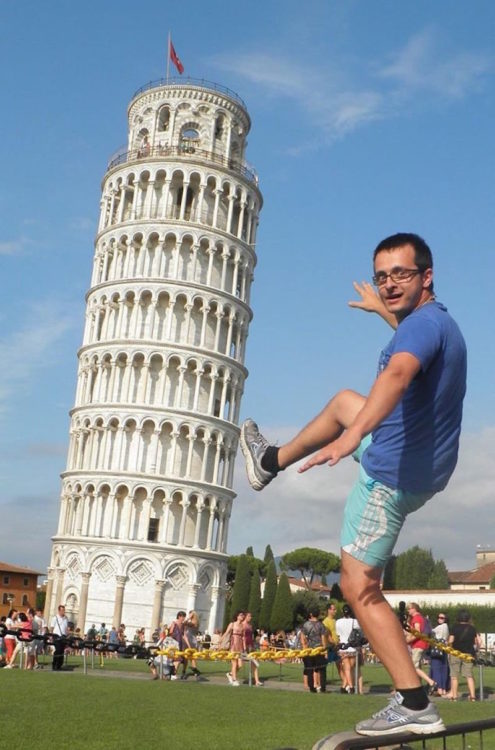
(335, 417)
(360, 585)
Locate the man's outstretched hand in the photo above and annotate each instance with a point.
(331, 454)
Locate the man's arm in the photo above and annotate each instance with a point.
(371, 302)
(386, 393)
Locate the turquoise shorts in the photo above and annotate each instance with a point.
(374, 515)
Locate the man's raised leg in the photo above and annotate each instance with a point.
(264, 461)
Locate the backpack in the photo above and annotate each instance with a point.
(427, 628)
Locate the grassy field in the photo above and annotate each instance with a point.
(103, 710)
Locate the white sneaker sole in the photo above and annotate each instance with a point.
(438, 726)
(255, 483)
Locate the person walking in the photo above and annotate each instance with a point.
(59, 627)
(405, 434)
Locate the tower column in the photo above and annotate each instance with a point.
(157, 604)
(83, 603)
(119, 600)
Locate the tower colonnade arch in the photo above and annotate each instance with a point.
(147, 493)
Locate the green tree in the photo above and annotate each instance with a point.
(310, 561)
(492, 583)
(226, 615)
(336, 593)
(250, 552)
(269, 557)
(302, 602)
(389, 574)
(268, 596)
(413, 568)
(40, 599)
(282, 616)
(240, 593)
(254, 605)
(253, 562)
(439, 578)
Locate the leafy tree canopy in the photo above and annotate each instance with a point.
(302, 602)
(310, 561)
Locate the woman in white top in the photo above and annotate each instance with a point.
(439, 663)
(344, 625)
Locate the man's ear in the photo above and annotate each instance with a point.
(427, 278)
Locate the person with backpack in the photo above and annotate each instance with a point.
(314, 634)
(464, 638)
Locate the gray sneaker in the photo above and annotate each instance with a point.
(253, 446)
(395, 719)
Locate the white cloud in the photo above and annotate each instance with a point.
(298, 510)
(13, 247)
(339, 100)
(24, 351)
(419, 67)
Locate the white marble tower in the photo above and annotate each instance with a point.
(147, 494)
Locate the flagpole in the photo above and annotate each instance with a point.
(168, 56)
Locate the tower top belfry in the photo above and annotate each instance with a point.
(147, 493)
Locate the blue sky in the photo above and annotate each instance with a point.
(368, 118)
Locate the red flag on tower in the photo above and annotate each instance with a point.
(175, 59)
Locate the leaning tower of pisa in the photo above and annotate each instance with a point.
(147, 494)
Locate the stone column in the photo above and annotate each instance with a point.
(83, 603)
(119, 600)
(60, 586)
(157, 604)
(215, 601)
(194, 588)
(49, 594)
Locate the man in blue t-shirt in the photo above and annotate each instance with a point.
(405, 434)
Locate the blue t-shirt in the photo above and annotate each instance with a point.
(415, 448)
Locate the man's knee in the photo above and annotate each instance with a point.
(358, 581)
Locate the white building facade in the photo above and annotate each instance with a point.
(147, 493)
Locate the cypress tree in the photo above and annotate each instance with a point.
(250, 552)
(282, 616)
(254, 605)
(268, 596)
(240, 593)
(268, 558)
(226, 615)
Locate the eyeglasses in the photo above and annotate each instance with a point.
(397, 275)
(441, 617)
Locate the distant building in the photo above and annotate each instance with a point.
(485, 553)
(18, 587)
(297, 584)
(472, 580)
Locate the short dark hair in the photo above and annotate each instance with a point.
(463, 615)
(422, 253)
(181, 613)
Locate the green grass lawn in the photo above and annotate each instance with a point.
(75, 711)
